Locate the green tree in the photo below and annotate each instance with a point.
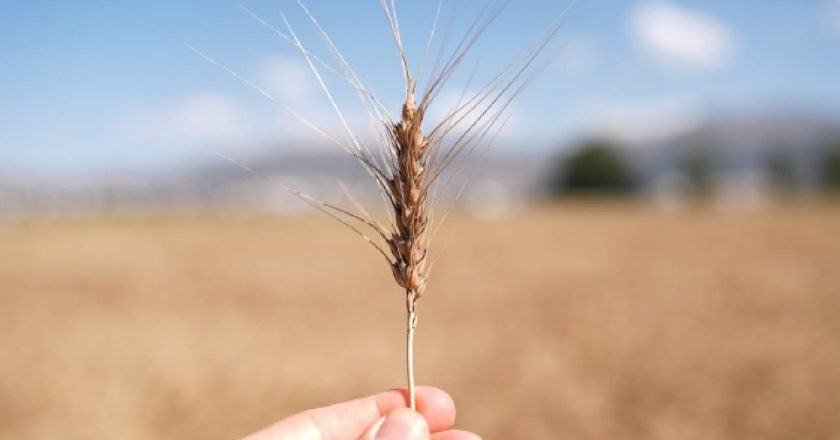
(700, 166)
(596, 168)
(831, 167)
(781, 169)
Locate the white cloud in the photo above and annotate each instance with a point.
(292, 82)
(289, 79)
(646, 121)
(681, 36)
(831, 17)
(455, 97)
(192, 121)
(579, 56)
(214, 121)
(449, 99)
(207, 117)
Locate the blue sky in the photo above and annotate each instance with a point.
(92, 87)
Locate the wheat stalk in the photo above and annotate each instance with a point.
(410, 162)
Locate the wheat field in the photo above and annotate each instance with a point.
(575, 322)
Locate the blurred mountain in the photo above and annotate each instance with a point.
(742, 159)
(260, 184)
(766, 131)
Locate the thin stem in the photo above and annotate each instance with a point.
(411, 324)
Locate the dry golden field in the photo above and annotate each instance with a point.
(584, 322)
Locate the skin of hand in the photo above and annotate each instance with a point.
(383, 416)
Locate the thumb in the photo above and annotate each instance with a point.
(401, 424)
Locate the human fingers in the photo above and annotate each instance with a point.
(349, 420)
(400, 424)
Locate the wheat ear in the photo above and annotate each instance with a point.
(408, 242)
(411, 161)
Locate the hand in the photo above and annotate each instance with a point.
(379, 417)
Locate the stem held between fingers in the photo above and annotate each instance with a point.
(411, 324)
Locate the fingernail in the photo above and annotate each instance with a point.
(403, 424)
